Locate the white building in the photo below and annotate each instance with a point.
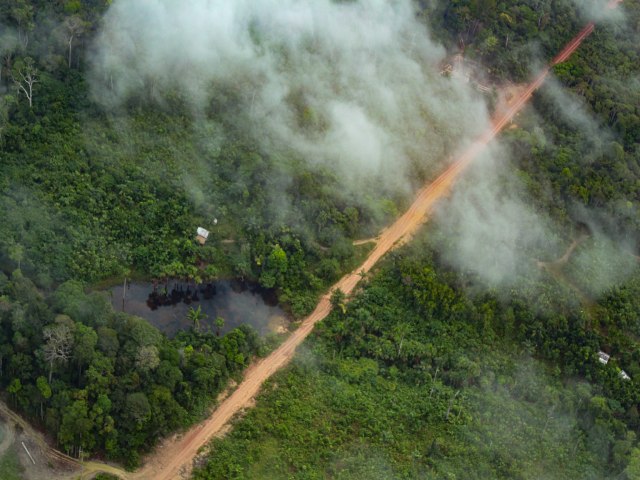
(202, 235)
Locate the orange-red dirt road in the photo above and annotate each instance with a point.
(177, 457)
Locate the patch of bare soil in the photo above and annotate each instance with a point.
(18, 438)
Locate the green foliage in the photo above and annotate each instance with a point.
(219, 323)
(10, 466)
(500, 33)
(105, 476)
(119, 384)
(195, 315)
(414, 380)
(88, 195)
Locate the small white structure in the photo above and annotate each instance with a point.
(202, 235)
(624, 376)
(603, 357)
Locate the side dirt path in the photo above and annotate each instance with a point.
(47, 462)
(556, 270)
(364, 241)
(175, 461)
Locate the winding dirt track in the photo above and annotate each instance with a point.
(176, 458)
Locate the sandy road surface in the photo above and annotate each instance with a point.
(175, 459)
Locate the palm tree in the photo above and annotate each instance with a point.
(219, 322)
(399, 332)
(195, 315)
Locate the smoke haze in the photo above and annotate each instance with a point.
(573, 111)
(353, 86)
(598, 11)
(489, 227)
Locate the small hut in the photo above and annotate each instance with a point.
(202, 235)
(603, 357)
(624, 376)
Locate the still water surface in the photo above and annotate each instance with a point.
(235, 301)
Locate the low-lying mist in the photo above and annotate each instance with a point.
(490, 226)
(352, 86)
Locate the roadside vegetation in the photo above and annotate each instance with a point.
(88, 197)
(101, 381)
(425, 373)
(418, 380)
(10, 465)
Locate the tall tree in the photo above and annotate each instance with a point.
(147, 358)
(16, 253)
(74, 27)
(14, 387)
(75, 431)
(25, 76)
(85, 340)
(57, 348)
(21, 11)
(219, 322)
(195, 315)
(45, 393)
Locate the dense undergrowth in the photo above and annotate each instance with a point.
(416, 378)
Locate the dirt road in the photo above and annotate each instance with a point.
(175, 460)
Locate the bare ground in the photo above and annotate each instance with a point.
(48, 463)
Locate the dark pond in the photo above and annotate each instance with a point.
(235, 301)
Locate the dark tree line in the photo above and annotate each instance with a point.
(106, 382)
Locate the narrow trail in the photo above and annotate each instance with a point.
(175, 460)
(364, 241)
(8, 436)
(556, 270)
(562, 261)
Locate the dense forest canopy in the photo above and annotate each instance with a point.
(417, 380)
(291, 129)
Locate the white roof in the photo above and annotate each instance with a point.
(603, 357)
(202, 232)
(624, 375)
